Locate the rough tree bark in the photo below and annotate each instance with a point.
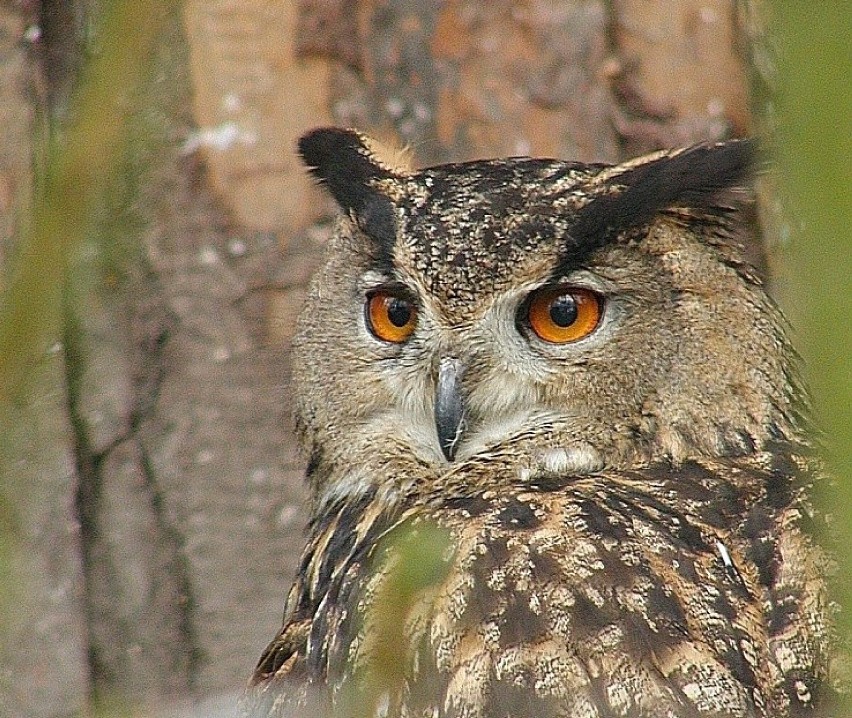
(153, 466)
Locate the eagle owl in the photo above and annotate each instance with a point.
(571, 372)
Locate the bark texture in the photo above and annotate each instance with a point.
(153, 469)
(43, 662)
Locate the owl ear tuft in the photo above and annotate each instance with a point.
(691, 178)
(344, 162)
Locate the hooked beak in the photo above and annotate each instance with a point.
(449, 406)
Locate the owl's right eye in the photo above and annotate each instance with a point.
(390, 317)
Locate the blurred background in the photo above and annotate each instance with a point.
(157, 234)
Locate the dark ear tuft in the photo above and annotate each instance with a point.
(342, 161)
(688, 178)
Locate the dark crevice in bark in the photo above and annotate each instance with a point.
(63, 26)
(89, 506)
(88, 490)
(60, 49)
(152, 324)
(153, 345)
(180, 571)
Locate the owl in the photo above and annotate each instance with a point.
(569, 374)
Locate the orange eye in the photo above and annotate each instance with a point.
(390, 317)
(559, 315)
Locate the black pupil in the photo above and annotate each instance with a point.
(399, 311)
(563, 310)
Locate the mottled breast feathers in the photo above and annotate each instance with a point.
(665, 591)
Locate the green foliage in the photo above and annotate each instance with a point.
(416, 560)
(815, 158)
(79, 160)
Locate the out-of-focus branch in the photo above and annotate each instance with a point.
(815, 155)
(417, 563)
(77, 161)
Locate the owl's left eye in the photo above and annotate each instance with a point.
(390, 317)
(559, 315)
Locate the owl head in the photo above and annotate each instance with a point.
(559, 315)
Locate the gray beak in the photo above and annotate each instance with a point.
(449, 406)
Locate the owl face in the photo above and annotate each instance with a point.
(563, 315)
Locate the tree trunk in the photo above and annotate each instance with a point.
(152, 469)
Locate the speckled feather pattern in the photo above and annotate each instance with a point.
(632, 532)
(664, 591)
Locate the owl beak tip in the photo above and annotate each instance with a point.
(449, 406)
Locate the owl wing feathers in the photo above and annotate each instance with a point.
(662, 592)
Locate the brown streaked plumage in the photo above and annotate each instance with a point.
(629, 511)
